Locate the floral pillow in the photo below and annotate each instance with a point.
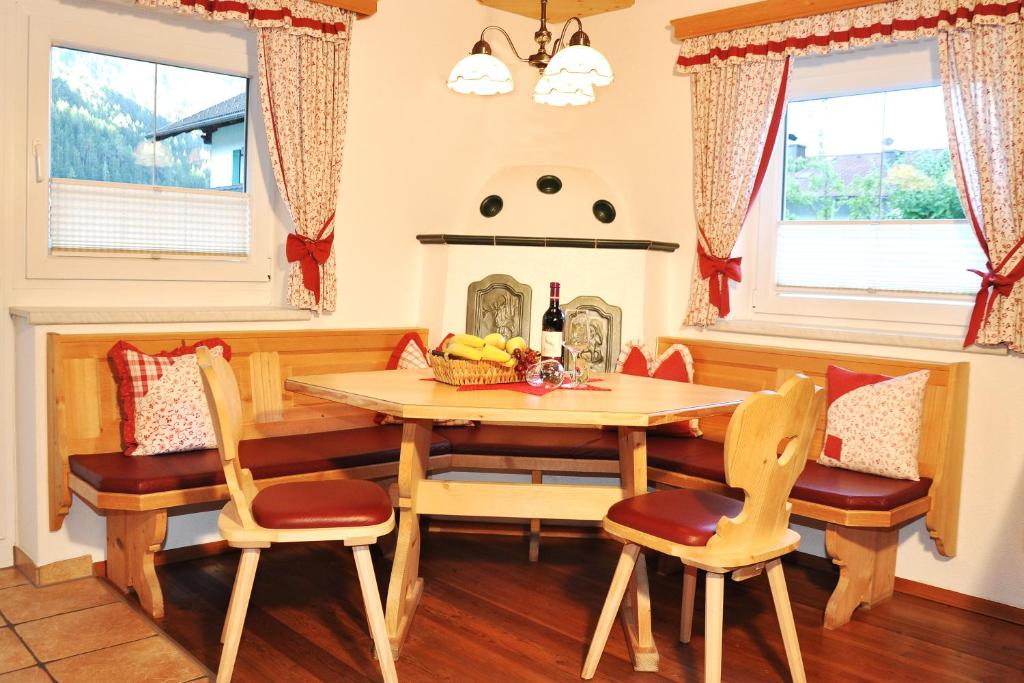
(163, 406)
(674, 364)
(874, 422)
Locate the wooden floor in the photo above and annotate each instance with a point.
(489, 615)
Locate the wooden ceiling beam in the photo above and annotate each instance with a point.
(559, 10)
(758, 14)
(362, 7)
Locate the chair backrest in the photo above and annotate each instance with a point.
(765, 424)
(225, 403)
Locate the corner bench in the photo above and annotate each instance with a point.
(287, 437)
(862, 513)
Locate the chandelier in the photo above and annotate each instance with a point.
(569, 73)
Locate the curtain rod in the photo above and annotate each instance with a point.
(362, 7)
(759, 13)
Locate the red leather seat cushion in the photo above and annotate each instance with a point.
(679, 515)
(268, 457)
(321, 505)
(556, 442)
(817, 484)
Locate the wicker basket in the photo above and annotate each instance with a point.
(458, 372)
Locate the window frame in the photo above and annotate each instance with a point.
(813, 304)
(206, 55)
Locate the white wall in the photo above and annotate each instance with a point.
(417, 159)
(224, 142)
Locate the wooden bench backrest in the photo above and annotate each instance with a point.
(940, 457)
(85, 417)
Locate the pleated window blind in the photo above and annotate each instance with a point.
(135, 219)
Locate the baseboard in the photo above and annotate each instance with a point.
(970, 603)
(55, 572)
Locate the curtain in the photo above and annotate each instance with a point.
(304, 95)
(737, 111)
(299, 16)
(983, 81)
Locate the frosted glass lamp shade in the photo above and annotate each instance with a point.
(576, 64)
(547, 93)
(480, 74)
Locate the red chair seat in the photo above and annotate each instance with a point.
(677, 515)
(817, 483)
(268, 457)
(554, 442)
(321, 505)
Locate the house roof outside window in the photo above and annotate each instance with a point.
(226, 113)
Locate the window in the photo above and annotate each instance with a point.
(144, 157)
(859, 215)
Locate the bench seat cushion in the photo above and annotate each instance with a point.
(554, 442)
(277, 456)
(830, 486)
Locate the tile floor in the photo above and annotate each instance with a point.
(83, 632)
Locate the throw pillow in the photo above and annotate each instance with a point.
(676, 364)
(874, 422)
(163, 406)
(410, 353)
(634, 359)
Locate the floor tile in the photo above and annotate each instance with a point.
(10, 577)
(66, 635)
(152, 659)
(25, 603)
(13, 654)
(33, 675)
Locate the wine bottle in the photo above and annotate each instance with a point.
(551, 328)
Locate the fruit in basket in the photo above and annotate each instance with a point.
(525, 358)
(495, 354)
(460, 350)
(515, 343)
(470, 340)
(496, 340)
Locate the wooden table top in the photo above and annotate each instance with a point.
(632, 401)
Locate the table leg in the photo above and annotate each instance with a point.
(636, 605)
(406, 586)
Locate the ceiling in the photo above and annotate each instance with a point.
(559, 10)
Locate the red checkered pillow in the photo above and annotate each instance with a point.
(634, 359)
(409, 353)
(874, 422)
(676, 364)
(163, 406)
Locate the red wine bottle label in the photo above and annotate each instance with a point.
(551, 344)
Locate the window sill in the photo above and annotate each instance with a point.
(53, 315)
(839, 334)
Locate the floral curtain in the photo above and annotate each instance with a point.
(983, 80)
(299, 16)
(737, 110)
(304, 94)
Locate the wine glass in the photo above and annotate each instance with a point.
(577, 340)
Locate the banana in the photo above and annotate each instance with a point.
(510, 363)
(496, 340)
(470, 340)
(494, 354)
(463, 351)
(515, 343)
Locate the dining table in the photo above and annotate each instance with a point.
(628, 403)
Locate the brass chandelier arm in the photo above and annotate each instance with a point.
(565, 27)
(508, 39)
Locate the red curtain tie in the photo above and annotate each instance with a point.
(992, 285)
(718, 272)
(311, 254)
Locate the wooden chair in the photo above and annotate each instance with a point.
(352, 511)
(719, 534)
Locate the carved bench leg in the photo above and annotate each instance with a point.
(133, 538)
(867, 569)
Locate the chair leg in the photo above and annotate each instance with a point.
(714, 589)
(780, 595)
(374, 612)
(237, 608)
(627, 560)
(686, 618)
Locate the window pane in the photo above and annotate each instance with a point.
(878, 156)
(201, 119)
(101, 117)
